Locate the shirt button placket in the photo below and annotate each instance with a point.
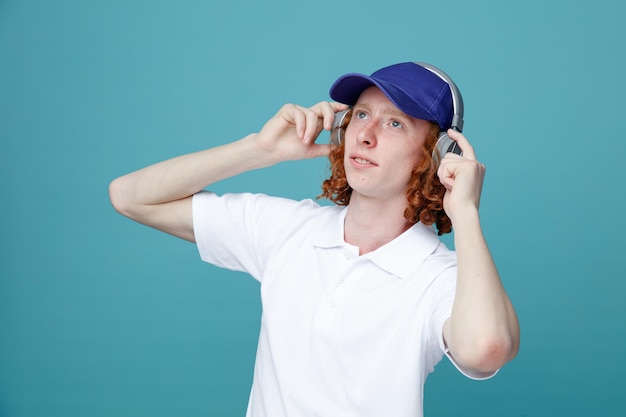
(343, 282)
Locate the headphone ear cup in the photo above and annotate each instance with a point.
(339, 131)
(336, 135)
(444, 145)
(342, 119)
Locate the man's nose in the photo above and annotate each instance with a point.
(367, 135)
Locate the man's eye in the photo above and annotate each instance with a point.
(361, 115)
(396, 123)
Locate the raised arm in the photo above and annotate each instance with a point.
(483, 331)
(160, 195)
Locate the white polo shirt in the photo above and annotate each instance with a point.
(342, 335)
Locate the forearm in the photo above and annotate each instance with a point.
(183, 176)
(483, 328)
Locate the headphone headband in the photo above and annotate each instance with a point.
(457, 99)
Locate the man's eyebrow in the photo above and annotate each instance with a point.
(391, 109)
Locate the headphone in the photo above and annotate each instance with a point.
(444, 143)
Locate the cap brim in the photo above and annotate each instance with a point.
(348, 88)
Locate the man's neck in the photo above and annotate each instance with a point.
(371, 223)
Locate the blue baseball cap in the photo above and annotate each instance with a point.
(412, 88)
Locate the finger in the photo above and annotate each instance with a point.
(461, 140)
(328, 114)
(449, 168)
(327, 111)
(299, 120)
(319, 149)
(313, 125)
(446, 175)
(321, 116)
(338, 106)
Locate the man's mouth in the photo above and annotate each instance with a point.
(362, 161)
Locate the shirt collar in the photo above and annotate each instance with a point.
(331, 234)
(399, 257)
(405, 253)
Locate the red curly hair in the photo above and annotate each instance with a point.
(424, 191)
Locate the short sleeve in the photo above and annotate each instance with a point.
(241, 231)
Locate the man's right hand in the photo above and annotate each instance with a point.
(291, 133)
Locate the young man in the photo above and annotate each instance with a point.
(360, 299)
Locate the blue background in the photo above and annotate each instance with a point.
(100, 316)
